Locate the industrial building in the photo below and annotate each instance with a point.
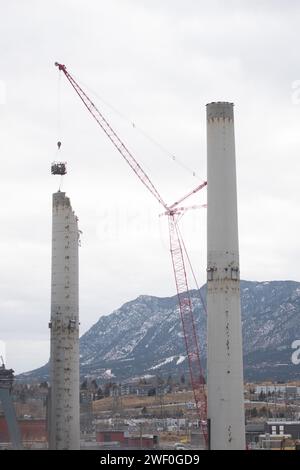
(283, 427)
(32, 431)
(9, 419)
(126, 440)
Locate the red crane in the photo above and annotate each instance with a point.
(176, 249)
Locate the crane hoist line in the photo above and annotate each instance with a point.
(173, 212)
(111, 134)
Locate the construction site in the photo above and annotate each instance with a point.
(150, 291)
(211, 415)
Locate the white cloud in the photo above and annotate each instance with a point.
(159, 63)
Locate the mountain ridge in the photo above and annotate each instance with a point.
(144, 335)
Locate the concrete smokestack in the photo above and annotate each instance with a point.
(225, 358)
(64, 324)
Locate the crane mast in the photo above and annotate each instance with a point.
(173, 211)
(188, 324)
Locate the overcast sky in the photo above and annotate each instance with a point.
(157, 62)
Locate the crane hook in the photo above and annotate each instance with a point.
(58, 145)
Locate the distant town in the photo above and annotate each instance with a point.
(154, 413)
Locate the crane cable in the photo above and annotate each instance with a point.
(191, 268)
(141, 131)
(59, 125)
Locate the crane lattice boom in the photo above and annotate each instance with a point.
(188, 323)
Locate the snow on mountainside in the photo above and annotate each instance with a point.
(145, 335)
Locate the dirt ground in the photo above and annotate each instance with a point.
(134, 401)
